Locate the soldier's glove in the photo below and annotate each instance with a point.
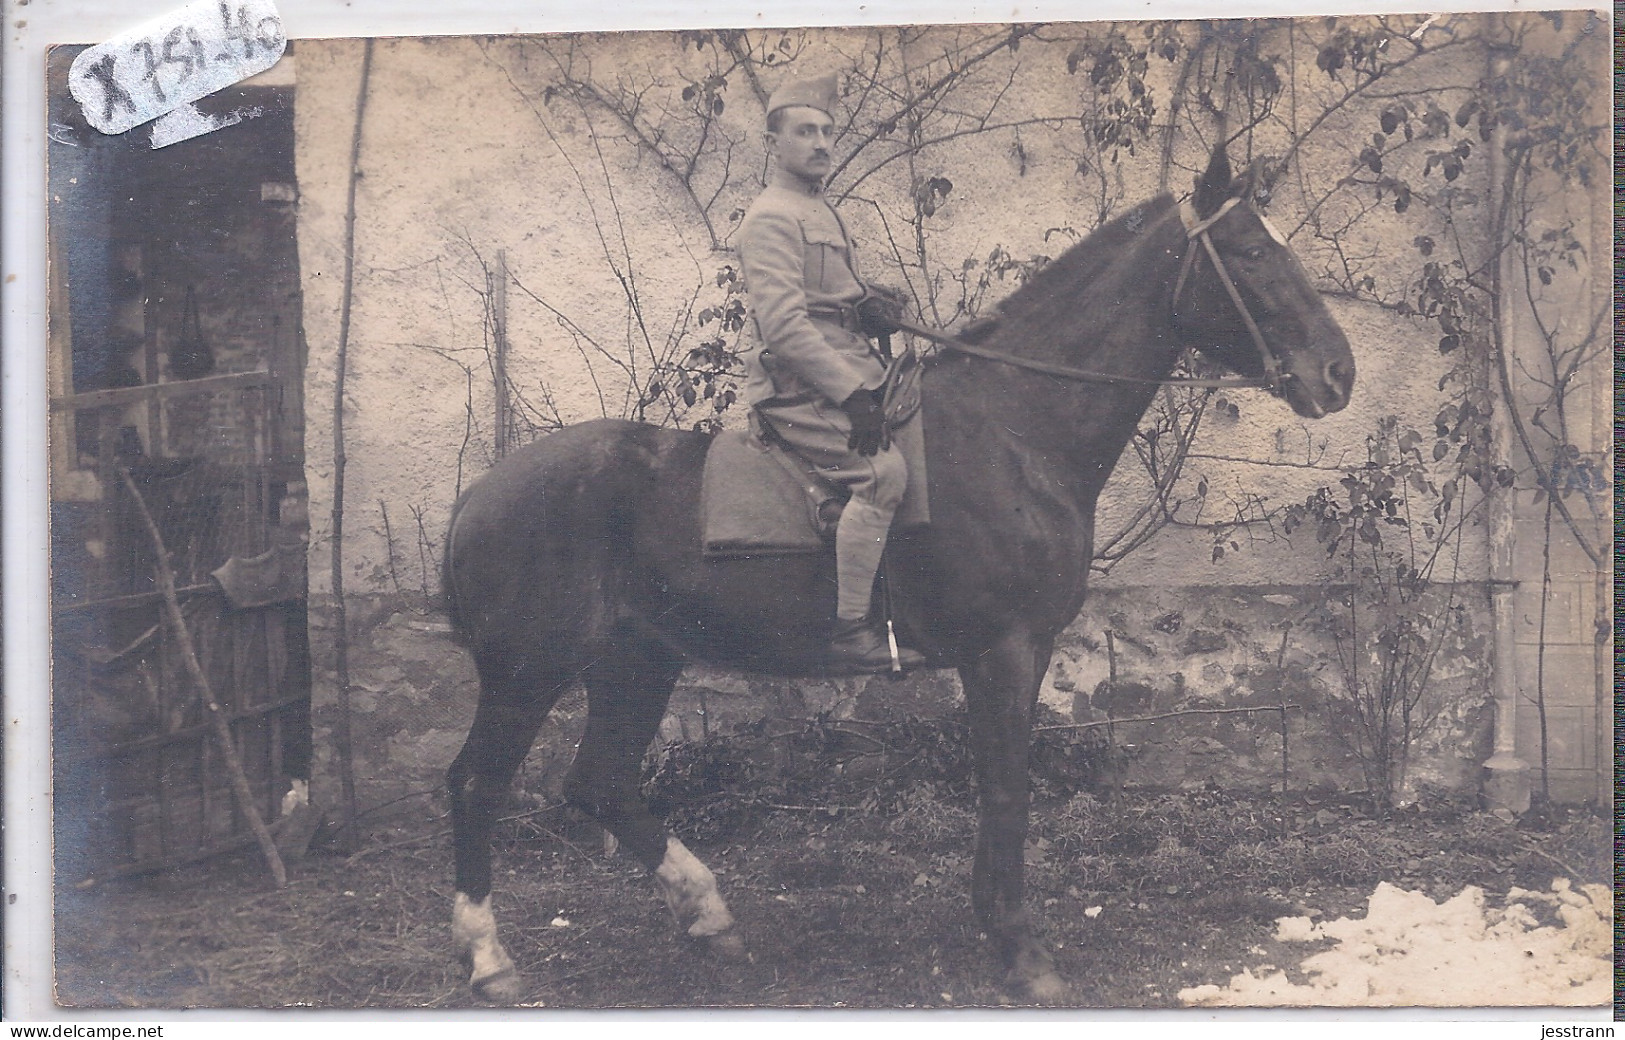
(880, 310)
(868, 421)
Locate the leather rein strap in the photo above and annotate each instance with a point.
(1196, 231)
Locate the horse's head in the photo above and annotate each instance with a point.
(1244, 299)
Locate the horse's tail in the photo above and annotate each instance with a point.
(448, 576)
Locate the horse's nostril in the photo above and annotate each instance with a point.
(1338, 378)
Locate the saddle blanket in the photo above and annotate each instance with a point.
(761, 500)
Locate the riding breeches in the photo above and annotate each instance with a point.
(818, 431)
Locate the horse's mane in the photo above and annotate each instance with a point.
(1059, 282)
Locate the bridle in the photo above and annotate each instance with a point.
(1196, 230)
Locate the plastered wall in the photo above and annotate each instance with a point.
(462, 158)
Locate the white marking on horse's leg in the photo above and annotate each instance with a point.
(691, 892)
(474, 929)
(297, 796)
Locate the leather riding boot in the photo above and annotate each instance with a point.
(861, 646)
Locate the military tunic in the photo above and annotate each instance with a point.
(797, 257)
(807, 356)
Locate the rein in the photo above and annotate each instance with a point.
(1195, 231)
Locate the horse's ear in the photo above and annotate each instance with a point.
(1252, 184)
(1213, 186)
(1260, 178)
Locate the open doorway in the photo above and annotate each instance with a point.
(177, 365)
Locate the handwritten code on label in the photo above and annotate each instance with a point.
(175, 60)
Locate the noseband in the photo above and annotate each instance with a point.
(1196, 230)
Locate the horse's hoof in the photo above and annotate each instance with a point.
(504, 987)
(1048, 990)
(726, 945)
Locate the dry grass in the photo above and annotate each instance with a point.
(860, 909)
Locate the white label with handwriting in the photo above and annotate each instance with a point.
(175, 60)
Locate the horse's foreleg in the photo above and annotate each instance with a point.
(627, 693)
(492, 975)
(478, 781)
(1001, 688)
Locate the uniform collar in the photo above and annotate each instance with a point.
(796, 186)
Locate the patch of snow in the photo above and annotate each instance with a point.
(1295, 929)
(1409, 951)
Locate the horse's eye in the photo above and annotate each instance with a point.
(1254, 253)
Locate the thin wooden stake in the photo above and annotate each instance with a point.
(341, 636)
(498, 285)
(1111, 685)
(1280, 672)
(1111, 660)
(222, 731)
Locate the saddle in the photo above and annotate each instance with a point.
(759, 498)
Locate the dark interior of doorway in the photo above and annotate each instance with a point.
(177, 385)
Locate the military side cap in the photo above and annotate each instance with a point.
(813, 92)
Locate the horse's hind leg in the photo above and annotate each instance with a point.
(628, 689)
(505, 725)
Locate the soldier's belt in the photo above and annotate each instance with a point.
(844, 315)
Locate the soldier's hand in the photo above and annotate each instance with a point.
(880, 310)
(868, 421)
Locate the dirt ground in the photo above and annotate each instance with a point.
(850, 894)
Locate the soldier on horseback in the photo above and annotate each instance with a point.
(813, 377)
(586, 557)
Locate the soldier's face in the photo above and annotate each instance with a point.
(803, 141)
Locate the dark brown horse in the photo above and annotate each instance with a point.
(578, 558)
